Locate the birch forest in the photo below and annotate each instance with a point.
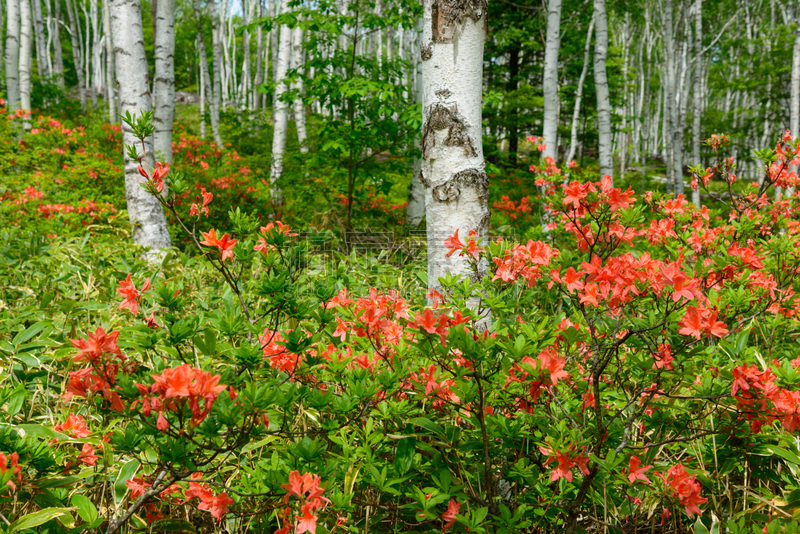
(399, 266)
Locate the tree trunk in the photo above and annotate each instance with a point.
(164, 82)
(601, 88)
(576, 113)
(512, 112)
(58, 56)
(25, 58)
(453, 168)
(76, 54)
(259, 79)
(12, 54)
(110, 103)
(297, 85)
(697, 98)
(550, 82)
(144, 210)
(203, 66)
(415, 210)
(41, 47)
(216, 44)
(245, 88)
(794, 97)
(675, 133)
(281, 110)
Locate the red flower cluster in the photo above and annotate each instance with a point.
(217, 505)
(699, 321)
(161, 171)
(762, 400)
(11, 462)
(524, 261)
(308, 491)
(566, 460)
(177, 388)
(686, 488)
(511, 209)
(74, 426)
(128, 290)
(454, 244)
(105, 358)
(224, 243)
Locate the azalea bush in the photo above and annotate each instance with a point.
(633, 368)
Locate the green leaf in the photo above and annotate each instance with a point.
(428, 425)
(29, 332)
(127, 472)
(700, 528)
(404, 457)
(783, 453)
(86, 508)
(37, 518)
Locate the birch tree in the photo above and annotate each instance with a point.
(76, 53)
(297, 86)
(453, 169)
(12, 54)
(601, 88)
(58, 56)
(674, 133)
(415, 209)
(576, 113)
(794, 96)
(109, 44)
(281, 110)
(697, 99)
(41, 47)
(144, 210)
(164, 82)
(25, 58)
(550, 82)
(216, 43)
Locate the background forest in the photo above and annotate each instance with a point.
(393, 266)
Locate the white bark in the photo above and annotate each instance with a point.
(12, 54)
(203, 66)
(259, 79)
(576, 113)
(453, 169)
(110, 101)
(697, 98)
(164, 82)
(41, 47)
(674, 136)
(297, 85)
(550, 82)
(144, 210)
(281, 111)
(25, 57)
(601, 89)
(216, 44)
(76, 53)
(794, 98)
(58, 56)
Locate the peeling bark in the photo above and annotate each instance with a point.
(164, 83)
(12, 54)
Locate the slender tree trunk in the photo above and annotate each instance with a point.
(675, 133)
(110, 101)
(453, 168)
(550, 82)
(164, 82)
(97, 68)
(245, 87)
(576, 113)
(297, 85)
(794, 97)
(697, 98)
(216, 43)
(601, 88)
(58, 55)
(281, 111)
(512, 112)
(415, 210)
(86, 50)
(76, 53)
(12, 54)
(145, 212)
(41, 47)
(259, 79)
(25, 58)
(203, 65)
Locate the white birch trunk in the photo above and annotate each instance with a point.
(297, 85)
(41, 46)
(576, 113)
(25, 58)
(110, 100)
(245, 86)
(453, 169)
(281, 111)
(794, 96)
(144, 210)
(76, 53)
(164, 82)
(550, 82)
(203, 65)
(216, 43)
(601, 88)
(675, 133)
(259, 79)
(58, 55)
(697, 98)
(12, 54)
